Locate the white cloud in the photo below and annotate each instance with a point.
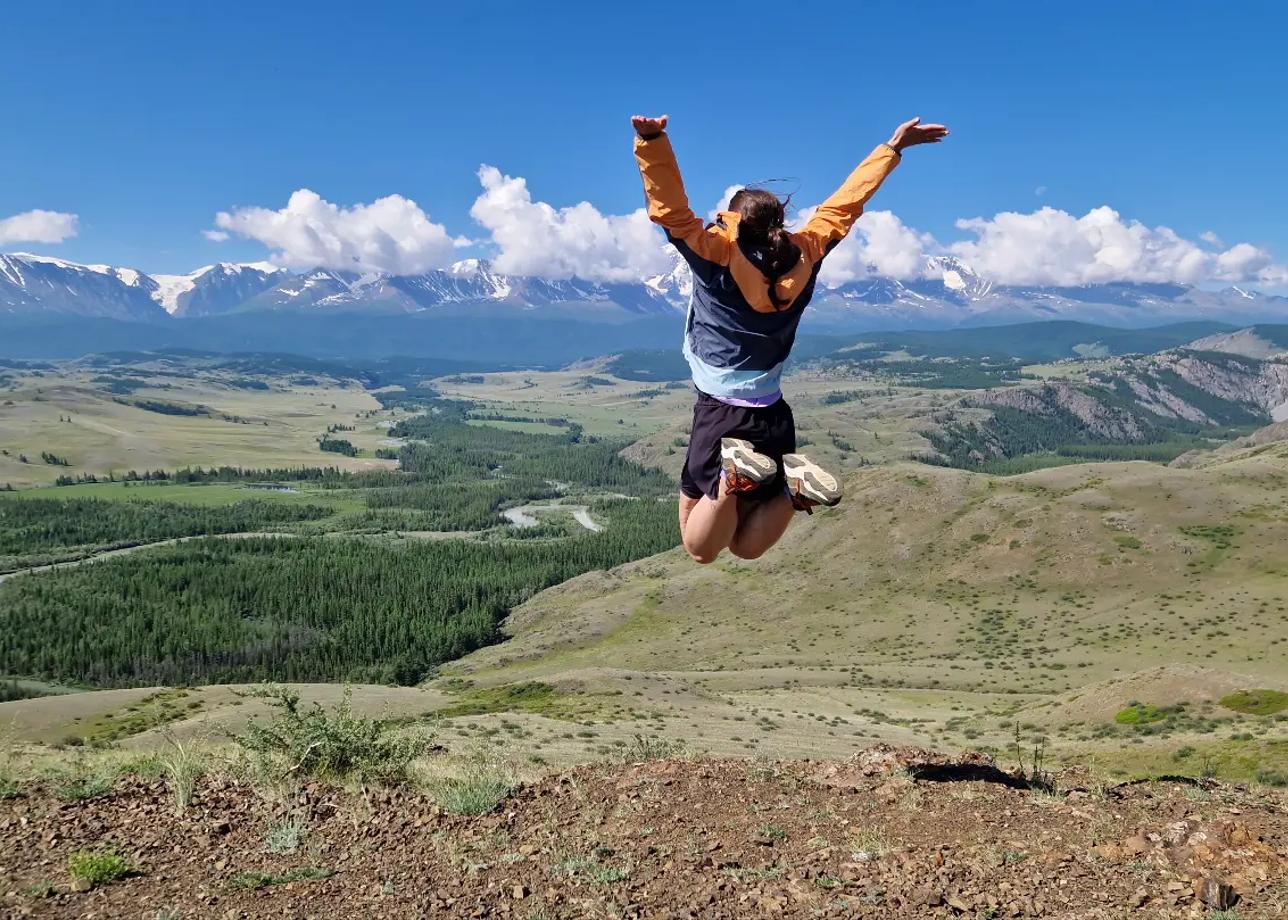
(534, 238)
(1049, 246)
(392, 234)
(1245, 262)
(37, 226)
(880, 244)
(1046, 246)
(723, 203)
(1040, 191)
(215, 236)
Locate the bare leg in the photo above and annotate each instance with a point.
(686, 508)
(707, 526)
(761, 526)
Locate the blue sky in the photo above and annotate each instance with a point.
(145, 119)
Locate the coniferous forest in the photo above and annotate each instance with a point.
(296, 609)
(37, 531)
(319, 605)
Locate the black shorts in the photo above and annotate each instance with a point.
(771, 429)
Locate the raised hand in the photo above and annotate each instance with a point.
(647, 127)
(913, 132)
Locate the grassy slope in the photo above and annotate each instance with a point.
(105, 435)
(964, 601)
(934, 606)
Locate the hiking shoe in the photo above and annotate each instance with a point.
(801, 504)
(809, 482)
(744, 468)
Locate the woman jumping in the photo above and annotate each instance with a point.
(752, 278)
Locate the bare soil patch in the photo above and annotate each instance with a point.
(890, 834)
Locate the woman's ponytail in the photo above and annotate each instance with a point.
(763, 238)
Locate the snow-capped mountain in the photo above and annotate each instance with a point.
(42, 284)
(948, 293)
(213, 289)
(467, 284)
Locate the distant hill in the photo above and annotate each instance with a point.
(1260, 341)
(1033, 341)
(1152, 407)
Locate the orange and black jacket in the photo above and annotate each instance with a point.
(735, 340)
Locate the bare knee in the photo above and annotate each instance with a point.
(747, 552)
(701, 556)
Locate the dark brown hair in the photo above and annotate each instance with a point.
(762, 237)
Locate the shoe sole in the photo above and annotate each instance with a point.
(810, 480)
(742, 458)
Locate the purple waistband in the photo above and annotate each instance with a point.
(755, 402)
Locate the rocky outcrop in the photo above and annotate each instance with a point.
(1137, 400)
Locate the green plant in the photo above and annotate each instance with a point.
(79, 781)
(182, 765)
(253, 881)
(476, 790)
(98, 867)
(649, 747)
(610, 875)
(870, 841)
(285, 836)
(1256, 702)
(43, 888)
(771, 832)
(328, 744)
(9, 788)
(1140, 714)
(1276, 778)
(573, 865)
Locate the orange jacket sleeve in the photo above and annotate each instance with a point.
(835, 217)
(668, 205)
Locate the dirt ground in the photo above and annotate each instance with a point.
(891, 834)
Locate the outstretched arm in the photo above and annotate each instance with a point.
(668, 205)
(835, 217)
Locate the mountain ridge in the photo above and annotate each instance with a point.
(949, 294)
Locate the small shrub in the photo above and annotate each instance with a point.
(9, 787)
(99, 867)
(284, 838)
(41, 889)
(182, 766)
(475, 791)
(1140, 714)
(253, 881)
(649, 747)
(609, 875)
(80, 783)
(328, 744)
(1256, 702)
(573, 865)
(1275, 778)
(870, 841)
